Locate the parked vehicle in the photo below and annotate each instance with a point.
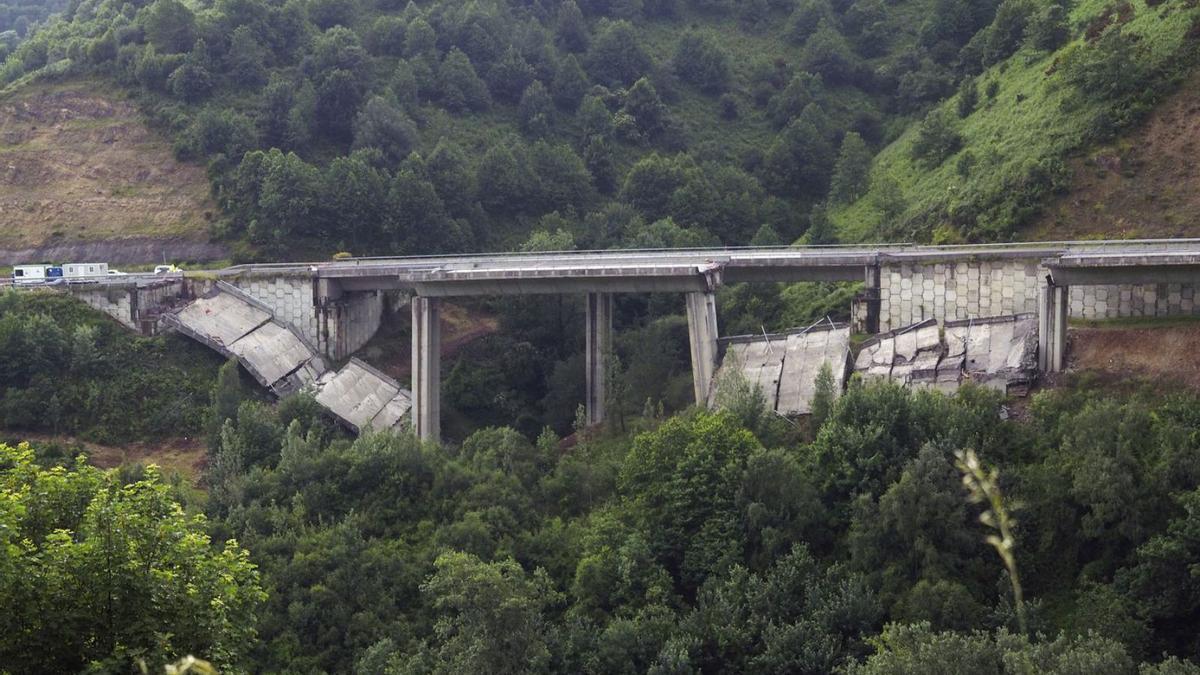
(166, 269)
(36, 274)
(73, 272)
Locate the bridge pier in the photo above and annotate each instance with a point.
(872, 298)
(426, 368)
(598, 349)
(1053, 311)
(702, 334)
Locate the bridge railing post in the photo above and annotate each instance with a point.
(426, 368)
(598, 350)
(702, 335)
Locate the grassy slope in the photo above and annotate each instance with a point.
(1025, 123)
(77, 163)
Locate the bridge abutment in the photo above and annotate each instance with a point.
(426, 368)
(702, 335)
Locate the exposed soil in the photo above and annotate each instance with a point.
(78, 164)
(1145, 185)
(185, 456)
(132, 250)
(1165, 354)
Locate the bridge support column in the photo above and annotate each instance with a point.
(426, 368)
(598, 338)
(871, 294)
(702, 334)
(1053, 311)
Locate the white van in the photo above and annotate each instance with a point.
(77, 271)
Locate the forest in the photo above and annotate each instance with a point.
(892, 532)
(898, 532)
(374, 126)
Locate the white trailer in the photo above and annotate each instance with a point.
(29, 274)
(80, 271)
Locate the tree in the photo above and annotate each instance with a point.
(451, 177)
(170, 26)
(824, 396)
(828, 54)
(508, 77)
(700, 60)
(1048, 30)
(354, 200)
(382, 126)
(799, 161)
(807, 16)
(570, 83)
(888, 198)
(650, 184)
(461, 88)
(490, 617)
(245, 59)
(535, 110)
(681, 479)
(820, 229)
(504, 183)
(598, 158)
(339, 95)
(98, 574)
(937, 139)
(649, 113)
(968, 97)
(420, 39)
(616, 58)
(851, 172)
(570, 31)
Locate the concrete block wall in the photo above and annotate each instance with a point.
(947, 291)
(116, 302)
(289, 297)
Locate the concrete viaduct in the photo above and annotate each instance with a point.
(337, 305)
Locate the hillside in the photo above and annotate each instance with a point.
(380, 128)
(983, 164)
(79, 166)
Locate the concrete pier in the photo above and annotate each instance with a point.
(872, 298)
(702, 334)
(1053, 311)
(598, 349)
(426, 368)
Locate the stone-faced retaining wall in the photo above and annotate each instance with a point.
(911, 292)
(288, 296)
(135, 307)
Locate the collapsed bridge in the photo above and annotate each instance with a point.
(334, 307)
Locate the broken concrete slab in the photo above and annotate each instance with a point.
(785, 366)
(362, 397)
(221, 319)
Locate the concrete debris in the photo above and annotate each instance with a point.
(364, 397)
(785, 366)
(998, 352)
(275, 354)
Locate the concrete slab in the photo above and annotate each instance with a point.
(361, 396)
(222, 318)
(271, 352)
(806, 353)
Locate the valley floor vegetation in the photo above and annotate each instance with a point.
(723, 541)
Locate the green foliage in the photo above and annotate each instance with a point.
(110, 386)
(99, 575)
(936, 140)
(700, 60)
(851, 172)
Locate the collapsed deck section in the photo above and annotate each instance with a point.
(364, 397)
(238, 326)
(998, 352)
(785, 367)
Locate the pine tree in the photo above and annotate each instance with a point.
(850, 172)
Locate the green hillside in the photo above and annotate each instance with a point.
(1003, 156)
(377, 127)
